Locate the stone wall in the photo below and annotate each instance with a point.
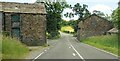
(93, 26)
(7, 23)
(33, 29)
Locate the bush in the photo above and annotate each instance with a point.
(53, 35)
(5, 33)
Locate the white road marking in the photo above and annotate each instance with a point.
(74, 54)
(37, 56)
(45, 50)
(69, 47)
(77, 52)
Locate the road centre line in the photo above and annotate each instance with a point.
(76, 51)
(37, 56)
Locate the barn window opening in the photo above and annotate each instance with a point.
(15, 25)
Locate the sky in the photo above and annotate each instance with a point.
(105, 6)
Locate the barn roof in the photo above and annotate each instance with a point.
(22, 7)
(81, 22)
(97, 16)
(113, 30)
(94, 15)
(38, 1)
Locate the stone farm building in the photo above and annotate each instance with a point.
(93, 25)
(25, 21)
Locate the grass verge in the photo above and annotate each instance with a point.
(13, 49)
(105, 42)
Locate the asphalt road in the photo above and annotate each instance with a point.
(67, 47)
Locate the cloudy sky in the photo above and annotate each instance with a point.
(106, 6)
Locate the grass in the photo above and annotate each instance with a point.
(67, 29)
(13, 49)
(105, 42)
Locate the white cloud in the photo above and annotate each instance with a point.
(103, 8)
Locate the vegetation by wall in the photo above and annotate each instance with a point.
(13, 48)
(105, 42)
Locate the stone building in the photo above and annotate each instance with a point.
(93, 25)
(25, 21)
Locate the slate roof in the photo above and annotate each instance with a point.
(38, 1)
(113, 30)
(22, 7)
(94, 15)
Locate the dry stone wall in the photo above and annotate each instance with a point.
(33, 30)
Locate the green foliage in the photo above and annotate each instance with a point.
(5, 33)
(54, 35)
(116, 17)
(79, 10)
(12, 48)
(106, 42)
(99, 13)
(67, 29)
(54, 11)
(71, 23)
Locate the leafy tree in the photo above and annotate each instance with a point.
(116, 17)
(54, 11)
(79, 10)
(101, 14)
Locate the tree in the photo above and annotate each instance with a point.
(54, 11)
(116, 17)
(79, 10)
(101, 14)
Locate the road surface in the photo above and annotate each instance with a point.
(67, 47)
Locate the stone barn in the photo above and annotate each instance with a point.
(24, 21)
(93, 25)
